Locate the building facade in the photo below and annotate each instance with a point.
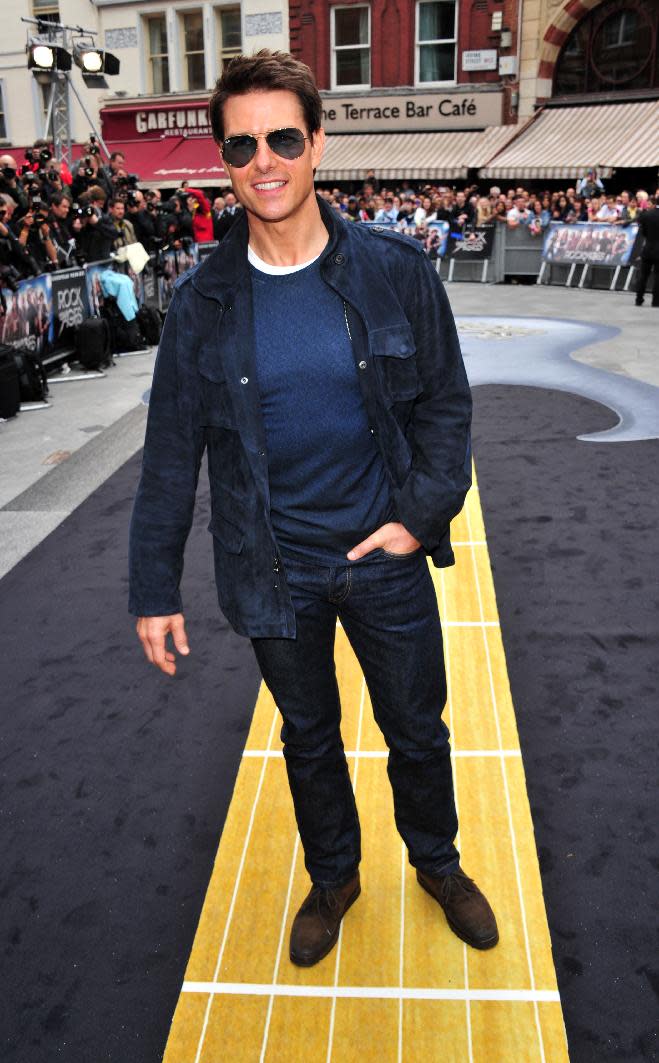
(168, 49)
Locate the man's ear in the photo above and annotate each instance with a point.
(317, 143)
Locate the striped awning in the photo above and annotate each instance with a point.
(563, 142)
(416, 156)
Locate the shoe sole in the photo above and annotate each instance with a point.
(332, 941)
(482, 944)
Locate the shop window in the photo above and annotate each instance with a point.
(612, 48)
(158, 55)
(192, 24)
(230, 34)
(436, 38)
(351, 47)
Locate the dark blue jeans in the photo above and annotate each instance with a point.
(388, 608)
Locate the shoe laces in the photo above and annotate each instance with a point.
(456, 884)
(322, 897)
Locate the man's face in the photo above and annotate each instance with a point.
(269, 187)
(230, 199)
(117, 211)
(60, 210)
(118, 163)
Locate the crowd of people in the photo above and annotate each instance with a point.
(52, 218)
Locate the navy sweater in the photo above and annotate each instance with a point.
(328, 485)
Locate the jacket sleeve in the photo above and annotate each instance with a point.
(201, 198)
(164, 504)
(440, 429)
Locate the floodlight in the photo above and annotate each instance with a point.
(44, 57)
(94, 62)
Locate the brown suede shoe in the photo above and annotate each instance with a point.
(466, 909)
(316, 926)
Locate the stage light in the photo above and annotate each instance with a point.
(43, 57)
(92, 62)
(95, 63)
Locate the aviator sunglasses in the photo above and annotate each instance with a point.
(287, 143)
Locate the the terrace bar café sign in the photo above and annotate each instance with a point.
(406, 114)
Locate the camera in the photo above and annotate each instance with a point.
(39, 219)
(82, 212)
(45, 155)
(9, 278)
(93, 146)
(52, 175)
(131, 198)
(30, 177)
(8, 172)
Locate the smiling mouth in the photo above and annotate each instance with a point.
(268, 186)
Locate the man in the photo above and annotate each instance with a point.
(462, 214)
(648, 224)
(123, 228)
(608, 210)
(10, 183)
(519, 213)
(60, 232)
(388, 212)
(145, 223)
(317, 361)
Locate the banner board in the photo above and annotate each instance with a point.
(70, 304)
(589, 243)
(432, 235)
(27, 320)
(474, 245)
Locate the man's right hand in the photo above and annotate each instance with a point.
(152, 632)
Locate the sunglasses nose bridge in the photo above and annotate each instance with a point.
(264, 156)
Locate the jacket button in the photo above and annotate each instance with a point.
(362, 365)
(244, 380)
(377, 228)
(339, 259)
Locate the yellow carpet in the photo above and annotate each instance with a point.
(399, 986)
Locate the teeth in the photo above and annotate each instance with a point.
(271, 184)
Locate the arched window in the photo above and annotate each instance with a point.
(612, 49)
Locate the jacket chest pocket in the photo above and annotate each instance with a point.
(394, 357)
(216, 407)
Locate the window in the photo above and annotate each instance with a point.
(193, 50)
(158, 58)
(351, 47)
(614, 47)
(48, 10)
(229, 34)
(3, 122)
(436, 34)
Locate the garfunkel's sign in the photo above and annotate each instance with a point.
(406, 114)
(155, 121)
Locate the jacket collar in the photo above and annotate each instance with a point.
(226, 268)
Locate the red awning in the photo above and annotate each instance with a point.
(166, 162)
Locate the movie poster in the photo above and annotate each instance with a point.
(433, 234)
(589, 243)
(27, 319)
(171, 264)
(475, 245)
(69, 304)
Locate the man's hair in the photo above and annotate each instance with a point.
(117, 155)
(94, 193)
(58, 198)
(266, 71)
(114, 202)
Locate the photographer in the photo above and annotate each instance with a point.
(124, 232)
(10, 183)
(15, 263)
(107, 173)
(60, 232)
(33, 232)
(144, 220)
(86, 174)
(93, 231)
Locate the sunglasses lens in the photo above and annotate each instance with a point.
(239, 150)
(287, 143)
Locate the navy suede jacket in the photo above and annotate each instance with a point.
(205, 397)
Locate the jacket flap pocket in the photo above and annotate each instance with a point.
(231, 537)
(397, 341)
